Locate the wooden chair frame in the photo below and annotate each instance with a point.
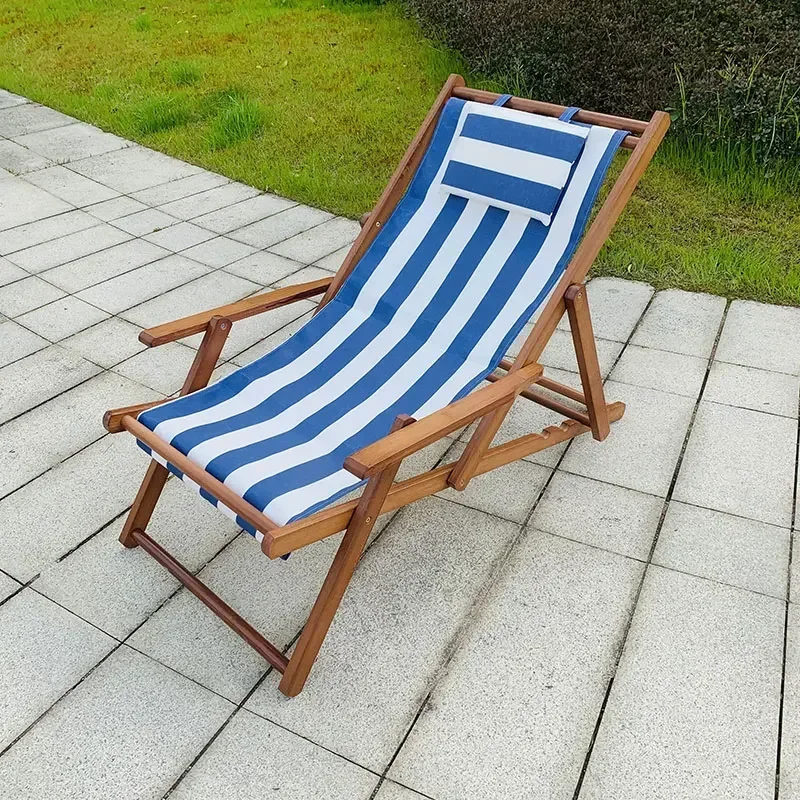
(379, 462)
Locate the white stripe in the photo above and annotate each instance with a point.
(512, 208)
(510, 161)
(240, 480)
(283, 508)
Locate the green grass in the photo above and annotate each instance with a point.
(238, 120)
(317, 100)
(160, 114)
(185, 73)
(696, 225)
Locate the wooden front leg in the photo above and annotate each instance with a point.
(580, 322)
(339, 575)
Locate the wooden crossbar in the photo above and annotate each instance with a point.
(634, 126)
(223, 493)
(234, 621)
(547, 402)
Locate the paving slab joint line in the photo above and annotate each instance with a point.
(474, 612)
(648, 563)
(239, 706)
(495, 574)
(104, 370)
(126, 195)
(43, 277)
(38, 405)
(786, 609)
(475, 609)
(268, 249)
(15, 592)
(269, 670)
(131, 143)
(120, 643)
(62, 461)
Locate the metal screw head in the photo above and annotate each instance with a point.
(368, 519)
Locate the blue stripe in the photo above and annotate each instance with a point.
(333, 311)
(505, 188)
(532, 138)
(231, 385)
(420, 392)
(568, 113)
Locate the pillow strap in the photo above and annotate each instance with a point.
(502, 100)
(569, 113)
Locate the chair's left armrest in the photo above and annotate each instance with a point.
(392, 448)
(197, 323)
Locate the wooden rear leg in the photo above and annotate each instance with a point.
(156, 476)
(580, 322)
(339, 575)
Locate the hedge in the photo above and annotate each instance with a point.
(728, 71)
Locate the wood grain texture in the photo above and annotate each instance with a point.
(380, 461)
(634, 126)
(155, 478)
(145, 501)
(236, 623)
(580, 323)
(223, 493)
(595, 238)
(547, 402)
(331, 520)
(112, 419)
(205, 361)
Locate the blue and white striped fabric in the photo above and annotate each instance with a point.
(520, 162)
(426, 314)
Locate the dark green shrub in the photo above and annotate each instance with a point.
(729, 71)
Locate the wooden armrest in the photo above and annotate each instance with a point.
(112, 419)
(377, 456)
(197, 323)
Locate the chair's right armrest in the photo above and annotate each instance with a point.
(197, 323)
(396, 446)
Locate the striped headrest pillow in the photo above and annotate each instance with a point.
(513, 160)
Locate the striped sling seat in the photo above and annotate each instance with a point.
(482, 234)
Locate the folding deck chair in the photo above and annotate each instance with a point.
(478, 229)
